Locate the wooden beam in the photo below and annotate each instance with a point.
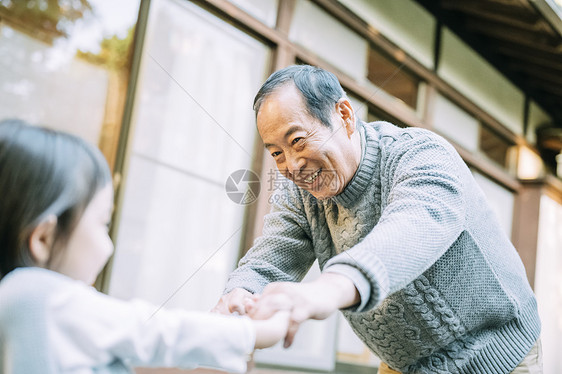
(536, 41)
(484, 9)
(529, 23)
(284, 53)
(429, 106)
(244, 21)
(549, 76)
(525, 228)
(285, 14)
(522, 3)
(545, 86)
(547, 60)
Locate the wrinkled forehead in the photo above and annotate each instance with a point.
(280, 117)
(286, 96)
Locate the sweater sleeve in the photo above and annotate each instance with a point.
(284, 252)
(92, 329)
(424, 215)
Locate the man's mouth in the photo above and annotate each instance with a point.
(312, 177)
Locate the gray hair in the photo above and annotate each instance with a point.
(319, 88)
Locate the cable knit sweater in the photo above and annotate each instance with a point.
(442, 288)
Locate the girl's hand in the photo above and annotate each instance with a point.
(272, 330)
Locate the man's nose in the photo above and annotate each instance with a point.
(295, 165)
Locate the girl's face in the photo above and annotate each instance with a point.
(89, 246)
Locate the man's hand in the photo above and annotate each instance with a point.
(233, 302)
(312, 300)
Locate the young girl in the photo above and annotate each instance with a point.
(55, 206)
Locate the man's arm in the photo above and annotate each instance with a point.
(284, 252)
(423, 217)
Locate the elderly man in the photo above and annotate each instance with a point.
(408, 247)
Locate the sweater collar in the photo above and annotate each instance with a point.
(365, 170)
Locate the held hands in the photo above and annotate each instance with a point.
(302, 300)
(270, 329)
(295, 301)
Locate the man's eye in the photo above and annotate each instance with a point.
(296, 140)
(275, 154)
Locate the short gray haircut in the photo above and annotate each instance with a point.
(319, 88)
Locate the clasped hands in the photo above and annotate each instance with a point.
(282, 306)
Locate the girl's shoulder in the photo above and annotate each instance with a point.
(29, 288)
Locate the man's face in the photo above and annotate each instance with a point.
(318, 159)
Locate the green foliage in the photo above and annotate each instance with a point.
(53, 17)
(114, 53)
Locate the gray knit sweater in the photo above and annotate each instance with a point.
(442, 288)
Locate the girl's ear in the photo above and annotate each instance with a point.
(41, 240)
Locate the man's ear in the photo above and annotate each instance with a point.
(345, 112)
(41, 240)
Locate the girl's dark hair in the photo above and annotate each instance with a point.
(43, 173)
(319, 88)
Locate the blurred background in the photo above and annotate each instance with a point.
(165, 89)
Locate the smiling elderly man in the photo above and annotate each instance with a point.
(408, 246)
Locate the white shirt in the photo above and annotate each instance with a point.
(50, 323)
